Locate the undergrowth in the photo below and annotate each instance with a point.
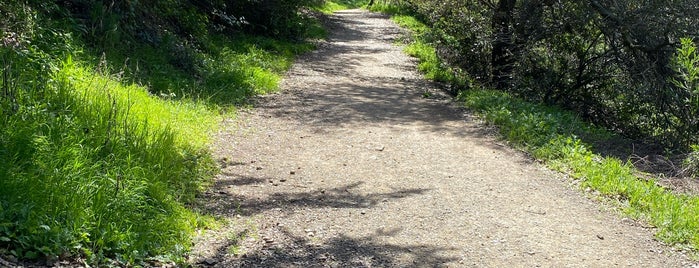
(99, 169)
(227, 72)
(558, 138)
(103, 149)
(420, 46)
(328, 7)
(554, 135)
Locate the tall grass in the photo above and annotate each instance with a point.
(227, 71)
(103, 147)
(248, 66)
(556, 137)
(102, 169)
(328, 7)
(94, 165)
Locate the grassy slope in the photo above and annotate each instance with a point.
(554, 135)
(328, 7)
(101, 153)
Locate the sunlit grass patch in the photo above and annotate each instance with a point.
(134, 110)
(391, 9)
(421, 48)
(552, 134)
(329, 7)
(227, 72)
(102, 169)
(101, 163)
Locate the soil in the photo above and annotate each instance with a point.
(360, 162)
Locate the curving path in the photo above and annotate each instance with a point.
(350, 166)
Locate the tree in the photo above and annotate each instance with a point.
(502, 56)
(609, 60)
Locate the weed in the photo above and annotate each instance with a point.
(100, 165)
(235, 240)
(328, 7)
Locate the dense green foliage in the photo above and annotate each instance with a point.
(567, 143)
(106, 109)
(614, 62)
(95, 167)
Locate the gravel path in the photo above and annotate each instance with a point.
(351, 166)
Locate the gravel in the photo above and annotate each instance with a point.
(350, 165)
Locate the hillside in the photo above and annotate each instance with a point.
(106, 114)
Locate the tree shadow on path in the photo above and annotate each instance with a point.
(344, 97)
(340, 251)
(219, 200)
(293, 250)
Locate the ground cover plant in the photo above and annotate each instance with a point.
(562, 139)
(420, 45)
(106, 111)
(555, 136)
(328, 7)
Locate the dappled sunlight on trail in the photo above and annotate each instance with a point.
(359, 162)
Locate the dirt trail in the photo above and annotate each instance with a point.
(350, 166)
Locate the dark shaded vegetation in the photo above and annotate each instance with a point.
(106, 108)
(624, 65)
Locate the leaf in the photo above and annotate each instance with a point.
(31, 255)
(5, 239)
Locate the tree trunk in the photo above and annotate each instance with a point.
(503, 44)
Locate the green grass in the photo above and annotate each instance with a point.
(553, 135)
(102, 169)
(329, 7)
(102, 152)
(228, 71)
(389, 9)
(557, 137)
(421, 48)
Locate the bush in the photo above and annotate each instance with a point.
(686, 90)
(691, 163)
(106, 109)
(609, 61)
